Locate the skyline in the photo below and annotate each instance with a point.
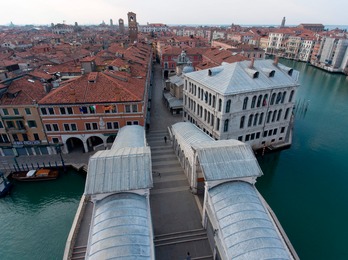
(40, 12)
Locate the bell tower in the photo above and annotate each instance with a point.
(132, 27)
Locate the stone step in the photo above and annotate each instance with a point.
(180, 237)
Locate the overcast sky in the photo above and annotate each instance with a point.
(333, 12)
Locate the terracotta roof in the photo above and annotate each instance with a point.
(98, 88)
(23, 91)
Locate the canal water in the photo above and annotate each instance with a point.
(36, 218)
(307, 185)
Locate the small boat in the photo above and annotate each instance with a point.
(5, 186)
(36, 175)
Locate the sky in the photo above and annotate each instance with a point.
(212, 12)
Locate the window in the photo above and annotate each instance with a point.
(48, 128)
(51, 110)
(273, 98)
(279, 114)
(242, 119)
(27, 111)
(5, 111)
(228, 106)
(70, 110)
(259, 101)
(10, 124)
(135, 108)
(283, 97)
(226, 125)
(286, 113)
(279, 98)
(43, 111)
(217, 124)
(36, 137)
(257, 135)
(32, 123)
(129, 123)
(261, 119)
(4, 138)
(73, 127)
(66, 127)
(15, 111)
(282, 130)
(274, 115)
(255, 119)
(1, 125)
(135, 123)
(88, 126)
(214, 101)
(245, 103)
(240, 138)
(270, 132)
(247, 138)
(55, 140)
(220, 104)
(269, 116)
(250, 121)
(291, 95)
(95, 126)
(127, 108)
(20, 124)
(206, 97)
(253, 101)
(264, 102)
(62, 110)
(209, 99)
(275, 131)
(265, 133)
(15, 137)
(25, 137)
(252, 136)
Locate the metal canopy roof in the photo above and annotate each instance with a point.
(245, 228)
(127, 166)
(227, 160)
(121, 228)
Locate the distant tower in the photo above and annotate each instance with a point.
(76, 24)
(132, 27)
(283, 23)
(121, 25)
(111, 23)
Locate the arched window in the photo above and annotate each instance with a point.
(242, 119)
(261, 119)
(253, 101)
(273, 98)
(228, 106)
(255, 119)
(220, 104)
(283, 97)
(259, 101)
(209, 99)
(250, 121)
(269, 116)
(274, 115)
(199, 92)
(265, 100)
(286, 113)
(206, 97)
(279, 114)
(202, 91)
(226, 125)
(214, 101)
(291, 95)
(245, 103)
(279, 98)
(205, 115)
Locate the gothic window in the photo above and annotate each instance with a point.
(253, 101)
(259, 101)
(264, 103)
(250, 121)
(245, 103)
(273, 98)
(291, 95)
(228, 106)
(226, 125)
(242, 119)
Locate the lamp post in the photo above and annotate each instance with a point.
(59, 150)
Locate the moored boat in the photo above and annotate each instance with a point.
(36, 175)
(5, 186)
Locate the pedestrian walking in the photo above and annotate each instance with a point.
(165, 139)
(188, 257)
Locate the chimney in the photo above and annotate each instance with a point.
(275, 62)
(252, 63)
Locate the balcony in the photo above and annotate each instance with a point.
(16, 130)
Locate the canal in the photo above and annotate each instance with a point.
(306, 185)
(36, 218)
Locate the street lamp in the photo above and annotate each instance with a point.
(59, 150)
